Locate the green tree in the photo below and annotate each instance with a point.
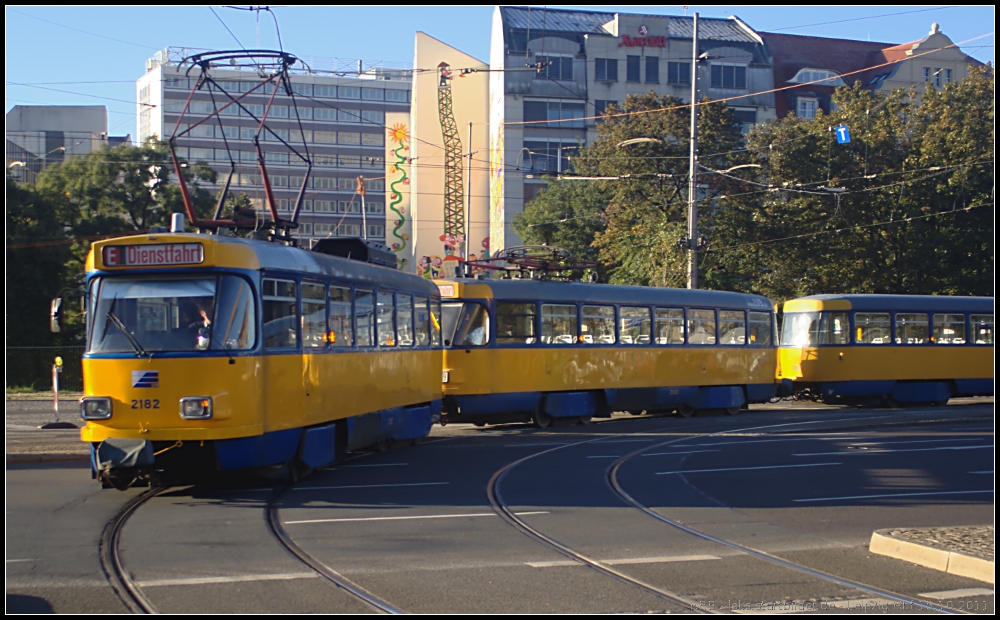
(644, 213)
(37, 254)
(881, 214)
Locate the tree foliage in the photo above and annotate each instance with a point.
(898, 209)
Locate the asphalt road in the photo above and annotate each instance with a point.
(414, 526)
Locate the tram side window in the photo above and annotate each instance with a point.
(800, 329)
(313, 315)
(404, 320)
(670, 326)
(982, 328)
(701, 327)
(872, 328)
(732, 327)
(435, 322)
(760, 329)
(835, 328)
(634, 325)
(516, 323)
(558, 324)
(280, 309)
(949, 329)
(421, 322)
(340, 332)
(598, 325)
(911, 328)
(364, 317)
(386, 326)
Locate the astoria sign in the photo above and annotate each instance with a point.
(628, 41)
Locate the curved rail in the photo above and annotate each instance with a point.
(322, 569)
(496, 499)
(111, 561)
(762, 555)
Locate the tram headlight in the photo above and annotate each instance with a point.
(445, 376)
(95, 408)
(196, 407)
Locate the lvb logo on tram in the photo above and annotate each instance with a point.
(145, 378)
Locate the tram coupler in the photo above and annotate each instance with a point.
(120, 461)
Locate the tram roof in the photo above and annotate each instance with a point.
(241, 253)
(541, 290)
(891, 303)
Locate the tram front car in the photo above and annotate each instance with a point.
(186, 372)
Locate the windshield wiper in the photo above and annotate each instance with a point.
(131, 339)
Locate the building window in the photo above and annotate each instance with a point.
(652, 70)
(606, 69)
(600, 105)
(401, 96)
(550, 156)
(372, 139)
(729, 76)
(937, 77)
(927, 74)
(563, 114)
(632, 65)
(373, 116)
(678, 73)
(348, 206)
(349, 161)
(375, 208)
(807, 108)
(373, 162)
(373, 94)
(947, 76)
(302, 89)
(349, 92)
(822, 77)
(556, 67)
(348, 137)
(376, 230)
(746, 117)
(348, 116)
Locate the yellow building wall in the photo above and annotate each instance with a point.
(432, 253)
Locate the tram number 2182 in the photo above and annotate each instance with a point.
(146, 404)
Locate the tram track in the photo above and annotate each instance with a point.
(119, 578)
(506, 512)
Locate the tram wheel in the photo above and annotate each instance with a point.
(732, 410)
(479, 424)
(542, 419)
(686, 411)
(585, 419)
(890, 403)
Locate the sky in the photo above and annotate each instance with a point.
(97, 53)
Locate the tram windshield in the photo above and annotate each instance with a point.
(152, 315)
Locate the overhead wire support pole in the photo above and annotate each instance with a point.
(468, 203)
(692, 243)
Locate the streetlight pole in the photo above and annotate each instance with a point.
(693, 174)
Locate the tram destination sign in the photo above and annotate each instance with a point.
(153, 255)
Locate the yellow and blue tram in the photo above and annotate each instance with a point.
(210, 352)
(899, 348)
(544, 350)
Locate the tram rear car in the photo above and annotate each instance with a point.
(898, 348)
(207, 352)
(536, 350)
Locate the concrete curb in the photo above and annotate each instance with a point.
(946, 561)
(20, 459)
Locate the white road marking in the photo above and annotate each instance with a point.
(981, 472)
(607, 456)
(965, 592)
(699, 471)
(894, 443)
(827, 499)
(197, 581)
(371, 486)
(756, 441)
(678, 452)
(458, 516)
(847, 452)
(12, 561)
(655, 560)
(373, 465)
(523, 445)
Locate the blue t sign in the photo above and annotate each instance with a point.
(843, 134)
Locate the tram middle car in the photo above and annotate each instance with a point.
(900, 349)
(207, 352)
(520, 350)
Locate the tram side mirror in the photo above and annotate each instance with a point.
(56, 315)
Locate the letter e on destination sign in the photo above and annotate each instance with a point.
(153, 255)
